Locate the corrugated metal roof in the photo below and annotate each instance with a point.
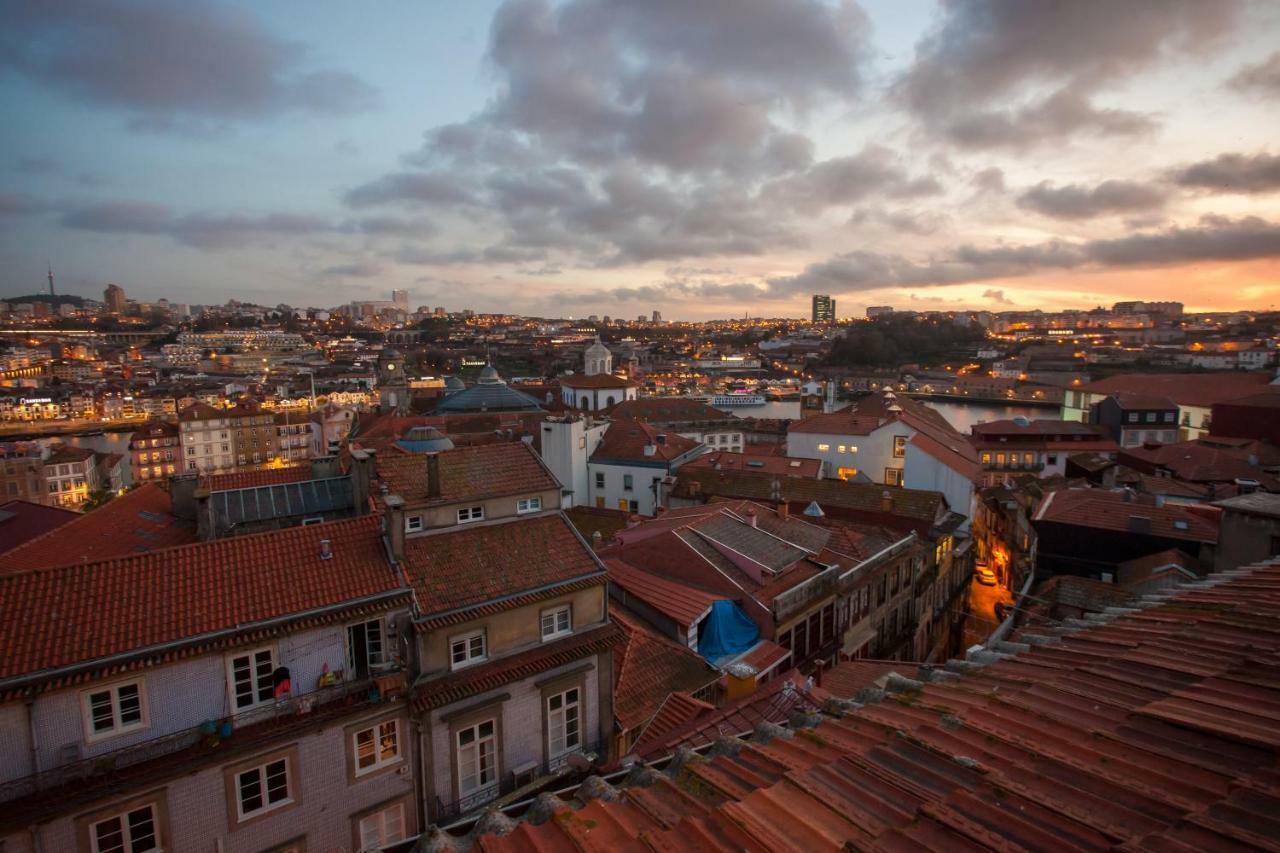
(281, 500)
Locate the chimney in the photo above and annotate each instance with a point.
(182, 491)
(886, 501)
(393, 525)
(740, 681)
(661, 438)
(634, 520)
(784, 511)
(326, 549)
(752, 519)
(361, 474)
(205, 530)
(650, 449)
(596, 540)
(433, 475)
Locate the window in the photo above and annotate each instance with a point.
(467, 649)
(382, 828)
(627, 482)
(249, 675)
(133, 831)
(477, 758)
(1052, 459)
(377, 746)
(893, 476)
(899, 446)
(840, 449)
(1133, 417)
(528, 505)
(413, 523)
(823, 448)
(986, 458)
(1168, 417)
(114, 710)
(556, 622)
(563, 723)
(599, 479)
(364, 647)
(263, 788)
(470, 513)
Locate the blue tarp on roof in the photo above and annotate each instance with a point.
(728, 631)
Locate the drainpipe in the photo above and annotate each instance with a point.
(31, 729)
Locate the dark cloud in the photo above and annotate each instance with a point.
(986, 51)
(358, 269)
(996, 296)
(990, 180)
(1262, 78)
(1055, 118)
(1232, 173)
(1105, 199)
(21, 204)
(621, 133)
(200, 230)
(909, 222)
(409, 188)
(167, 63)
(1212, 239)
(845, 180)
(392, 226)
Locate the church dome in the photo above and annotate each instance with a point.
(424, 439)
(489, 376)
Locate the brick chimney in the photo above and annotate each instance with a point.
(886, 501)
(393, 525)
(751, 517)
(784, 511)
(361, 477)
(205, 530)
(433, 475)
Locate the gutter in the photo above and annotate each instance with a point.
(892, 550)
(439, 614)
(96, 663)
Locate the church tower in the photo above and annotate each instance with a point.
(597, 359)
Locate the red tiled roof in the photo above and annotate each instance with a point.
(766, 655)
(467, 473)
(135, 522)
(1039, 427)
(956, 454)
(255, 478)
(154, 429)
(1185, 389)
(470, 565)
(21, 521)
(787, 466)
(200, 412)
(847, 678)
(679, 602)
(676, 711)
(456, 686)
(666, 410)
(648, 667)
(1136, 571)
(1104, 510)
(66, 453)
(599, 380)
(70, 615)
(1198, 462)
(1139, 400)
(627, 440)
(1152, 731)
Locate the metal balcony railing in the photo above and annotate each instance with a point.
(196, 738)
(570, 765)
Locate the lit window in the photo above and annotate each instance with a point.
(263, 788)
(556, 622)
(823, 448)
(528, 505)
(470, 513)
(899, 446)
(467, 649)
(133, 831)
(114, 710)
(377, 746)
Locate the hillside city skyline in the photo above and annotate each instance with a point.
(581, 158)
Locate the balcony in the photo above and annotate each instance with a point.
(519, 783)
(192, 745)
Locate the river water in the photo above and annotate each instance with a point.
(962, 416)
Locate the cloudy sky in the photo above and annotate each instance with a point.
(703, 157)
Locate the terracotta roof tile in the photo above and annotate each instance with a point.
(467, 473)
(22, 521)
(1104, 510)
(679, 602)
(667, 410)
(785, 466)
(1185, 389)
(648, 667)
(476, 563)
(599, 380)
(137, 521)
(627, 440)
(260, 477)
(1154, 730)
(68, 615)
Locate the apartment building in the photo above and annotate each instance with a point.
(155, 451)
(1135, 419)
(206, 439)
(293, 436)
(253, 433)
(273, 720)
(22, 473)
(1040, 447)
(627, 468)
(71, 473)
